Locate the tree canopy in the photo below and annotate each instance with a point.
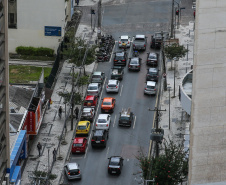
(175, 51)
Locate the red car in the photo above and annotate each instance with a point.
(91, 101)
(79, 145)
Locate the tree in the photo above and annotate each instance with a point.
(175, 51)
(169, 168)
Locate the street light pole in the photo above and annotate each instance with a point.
(171, 34)
(174, 78)
(169, 106)
(72, 99)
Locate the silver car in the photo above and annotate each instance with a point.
(150, 88)
(94, 89)
(72, 171)
(112, 86)
(124, 40)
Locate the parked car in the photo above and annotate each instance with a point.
(88, 114)
(72, 171)
(91, 101)
(115, 164)
(120, 58)
(79, 145)
(150, 88)
(156, 39)
(108, 104)
(98, 77)
(112, 86)
(103, 121)
(94, 89)
(124, 39)
(83, 128)
(140, 42)
(152, 74)
(99, 138)
(134, 64)
(126, 118)
(117, 72)
(152, 59)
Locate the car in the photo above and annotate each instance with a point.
(126, 117)
(115, 165)
(140, 42)
(99, 138)
(152, 74)
(117, 72)
(94, 89)
(124, 40)
(108, 104)
(79, 145)
(156, 39)
(150, 88)
(152, 59)
(103, 121)
(112, 86)
(88, 113)
(98, 77)
(134, 64)
(91, 101)
(120, 58)
(83, 128)
(72, 171)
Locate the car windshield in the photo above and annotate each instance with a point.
(77, 144)
(74, 172)
(111, 85)
(152, 57)
(124, 40)
(125, 118)
(81, 127)
(140, 39)
(150, 87)
(89, 101)
(106, 103)
(86, 114)
(102, 121)
(134, 61)
(96, 76)
(114, 162)
(152, 73)
(92, 88)
(119, 57)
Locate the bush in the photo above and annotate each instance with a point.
(22, 50)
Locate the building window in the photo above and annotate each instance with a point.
(11, 18)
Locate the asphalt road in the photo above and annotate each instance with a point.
(126, 142)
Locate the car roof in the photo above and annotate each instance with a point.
(126, 112)
(103, 116)
(124, 37)
(135, 59)
(107, 99)
(98, 132)
(90, 97)
(151, 83)
(152, 54)
(72, 166)
(87, 109)
(115, 158)
(79, 140)
(112, 81)
(140, 36)
(152, 70)
(97, 73)
(80, 123)
(119, 53)
(93, 84)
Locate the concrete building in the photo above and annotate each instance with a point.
(207, 161)
(38, 23)
(4, 91)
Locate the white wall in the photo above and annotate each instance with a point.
(32, 17)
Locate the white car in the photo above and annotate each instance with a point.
(124, 39)
(150, 88)
(112, 86)
(103, 121)
(94, 89)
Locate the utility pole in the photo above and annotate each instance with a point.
(172, 27)
(91, 11)
(163, 61)
(72, 99)
(99, 20)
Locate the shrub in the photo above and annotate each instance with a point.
(22, 50)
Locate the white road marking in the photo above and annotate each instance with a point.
(107, 152)
(114, 121)
(112, 51)
(86, 152)
(134, 122)
(121, 90)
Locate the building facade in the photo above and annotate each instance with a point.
(4, 91)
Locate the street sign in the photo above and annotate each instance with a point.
(182, 8)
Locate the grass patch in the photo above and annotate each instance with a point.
(25, 74)
(29, 57)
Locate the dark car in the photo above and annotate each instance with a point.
(152, 59)
(99, 138)
(134, 64)
(152, 74)
(115, 164)
(120, 58)
(156, 39)
(126, 118)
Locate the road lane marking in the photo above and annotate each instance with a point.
(86, 151)
(114, 121)
(121, 89)
(134, 122)
(112, 52)
(107, 152)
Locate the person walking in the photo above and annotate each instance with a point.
(77, 1)
(39, 146)
(194, 14)
(76, 112)
(60, 112)
(54, 154)
(49, 103)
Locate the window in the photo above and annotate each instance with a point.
(11, 18)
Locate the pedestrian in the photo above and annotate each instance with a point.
(49, 103)
(77, 1)
(60, 112)
(54, 154)
(76, 112)
(39, 146)
(194, 14)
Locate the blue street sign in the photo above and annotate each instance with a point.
(52, 31)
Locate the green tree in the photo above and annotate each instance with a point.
(175, 51)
